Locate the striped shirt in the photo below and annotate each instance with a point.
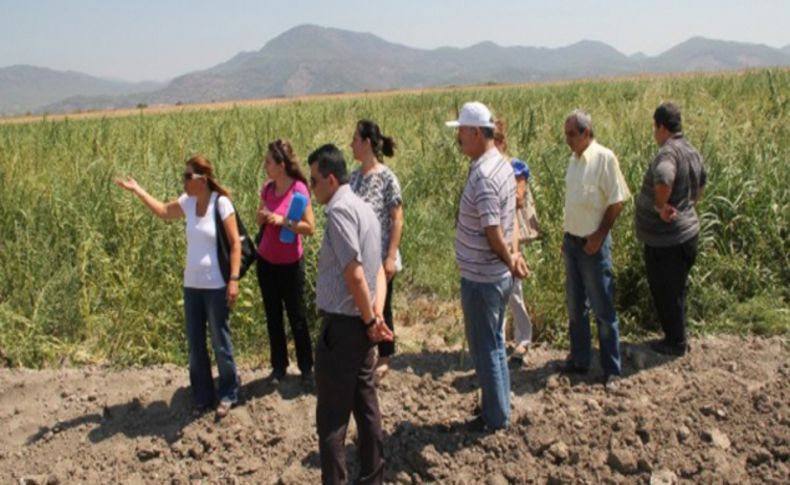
(351, 233)
(489, 199)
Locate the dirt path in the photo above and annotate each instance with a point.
(720, 414)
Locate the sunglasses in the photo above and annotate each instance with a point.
(192, 176)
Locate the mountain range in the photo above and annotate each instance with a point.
(310, 59)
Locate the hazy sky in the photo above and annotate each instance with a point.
(158, 39)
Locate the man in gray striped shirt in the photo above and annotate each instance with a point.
(485, 224)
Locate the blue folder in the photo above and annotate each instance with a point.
(295, 212)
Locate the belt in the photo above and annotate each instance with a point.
(340, 316)
(576, 239)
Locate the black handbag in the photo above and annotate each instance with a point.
(249, 252)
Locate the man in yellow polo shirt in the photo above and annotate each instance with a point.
(594, 194)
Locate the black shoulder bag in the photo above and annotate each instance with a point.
(249, 253)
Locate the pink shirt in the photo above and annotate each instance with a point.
(271, 249)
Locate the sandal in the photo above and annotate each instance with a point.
(224, 408)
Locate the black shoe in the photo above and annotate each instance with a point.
(474, 425)
(569, 367)
(662, 347)
(477, 410)
(307, 379)
(277, 376)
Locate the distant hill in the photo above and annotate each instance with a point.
(313, 60)
(700, 54)
(29, 88)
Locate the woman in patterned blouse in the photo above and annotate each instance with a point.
(375, 183)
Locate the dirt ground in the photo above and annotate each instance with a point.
(718, 415)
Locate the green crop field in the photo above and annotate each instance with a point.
(87, 274)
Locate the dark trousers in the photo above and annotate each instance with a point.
(386, 349)
(667, 274)
(344, 384)
(284, 283)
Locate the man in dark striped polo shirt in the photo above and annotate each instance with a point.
(485, 224)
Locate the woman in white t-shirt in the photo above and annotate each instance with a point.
(207, 298)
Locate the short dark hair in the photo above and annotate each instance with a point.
(668, 115)
(488, 133)
(330, 161)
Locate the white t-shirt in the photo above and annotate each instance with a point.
(202, 266)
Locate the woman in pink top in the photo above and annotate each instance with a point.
(281, 265)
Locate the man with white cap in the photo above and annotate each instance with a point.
(483, 229)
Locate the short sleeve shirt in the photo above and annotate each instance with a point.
(202, 264)
(380, 189)
(271, 248)
(593, 182)
(351, 233)
(488, 199)
(680, 166)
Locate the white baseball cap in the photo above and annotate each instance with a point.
(473, 113)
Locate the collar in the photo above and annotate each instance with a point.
(488, 155)
(673, 136)
(585, 157)
(339, 194)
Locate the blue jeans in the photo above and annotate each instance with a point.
(202, 306)
(484, 306)
(589, 283)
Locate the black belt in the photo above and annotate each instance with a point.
(576, 239)
(339, 316)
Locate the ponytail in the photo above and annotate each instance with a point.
(381, 145)
(216, 187)
(387, 146)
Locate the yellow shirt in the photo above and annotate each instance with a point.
(592, 183)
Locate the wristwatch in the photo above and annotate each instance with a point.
(235, 277)
(289, 223)
(370, 323)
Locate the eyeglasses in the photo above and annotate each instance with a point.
(192, 176)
